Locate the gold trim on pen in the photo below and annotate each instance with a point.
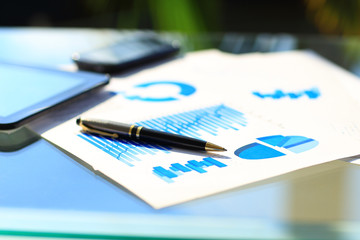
(138, 132)
(90, 130)
(130, 129)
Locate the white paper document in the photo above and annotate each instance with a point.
(218, 98)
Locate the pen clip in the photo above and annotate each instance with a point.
(96, 131)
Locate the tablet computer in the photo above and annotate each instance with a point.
(27, 91)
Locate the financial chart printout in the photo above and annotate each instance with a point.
(208, 120)
(163, 176)
(179, 99)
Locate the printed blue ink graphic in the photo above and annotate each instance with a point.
(177, 169)
(192, 123)
(184, 90)
(126, 151)
(259, 150)
(312, 93)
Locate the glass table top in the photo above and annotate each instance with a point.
(41, 180)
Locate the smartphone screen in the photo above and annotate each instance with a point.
(124, 54)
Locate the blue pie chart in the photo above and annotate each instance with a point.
(275, 146)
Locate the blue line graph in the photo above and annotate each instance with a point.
(176, 169)
(312, 93)
(192, 123)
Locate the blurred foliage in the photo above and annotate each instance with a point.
(339, 17)
(334, 16)
(161, 15)
(181, 15)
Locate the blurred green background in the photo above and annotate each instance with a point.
(328, 27)
(332, 17)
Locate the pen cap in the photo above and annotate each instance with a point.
(120, 129)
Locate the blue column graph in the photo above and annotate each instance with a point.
(312, 93)
(177, 169)
(191, 123)
(126, 151)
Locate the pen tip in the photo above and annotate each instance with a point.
(213, 147)
(78, 121)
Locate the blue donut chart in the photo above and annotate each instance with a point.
(184, 90)
(262, 150)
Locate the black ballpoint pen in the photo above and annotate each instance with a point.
(121, 130)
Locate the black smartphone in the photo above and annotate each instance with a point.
(125, 54)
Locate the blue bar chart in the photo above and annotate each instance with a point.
(176, 169)
(126, 151)
(191, 123)
(311, 93)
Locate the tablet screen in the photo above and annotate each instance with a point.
(24, 91)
